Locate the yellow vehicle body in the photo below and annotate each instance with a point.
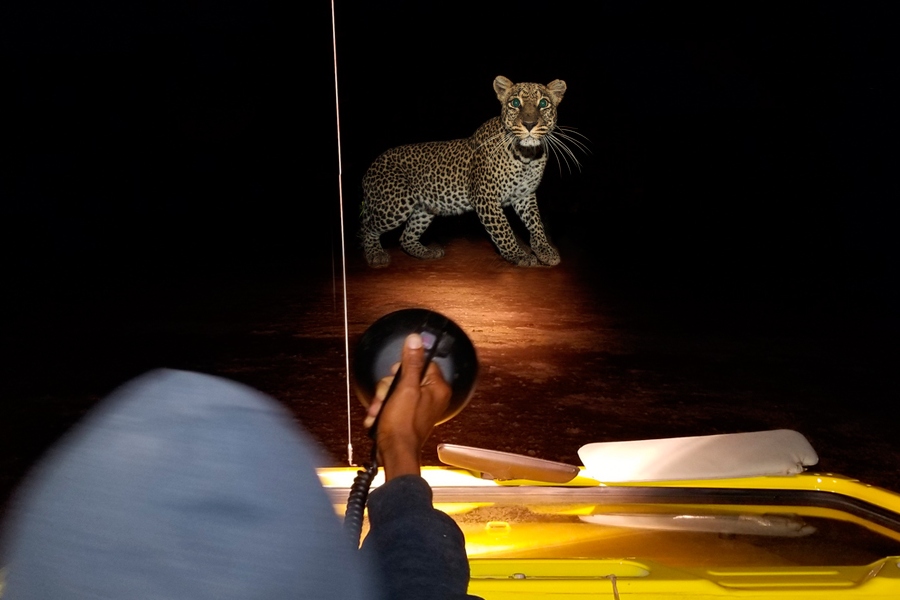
(805, 535)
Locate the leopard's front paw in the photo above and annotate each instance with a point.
(417, 250)
(525, 260)
(378, 258)
(432, 252)
(548, 256)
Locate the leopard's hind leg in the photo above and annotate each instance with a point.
(376, 255)
(416, 225)
(381, 215)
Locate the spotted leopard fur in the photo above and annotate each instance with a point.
(500, 165)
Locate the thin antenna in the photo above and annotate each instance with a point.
(337, 112)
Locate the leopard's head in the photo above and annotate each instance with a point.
(529, 109)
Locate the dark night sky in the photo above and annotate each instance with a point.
(730, 141)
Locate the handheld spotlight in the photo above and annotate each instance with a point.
(377, 351)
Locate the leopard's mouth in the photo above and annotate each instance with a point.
(530, 141)
(526, 154)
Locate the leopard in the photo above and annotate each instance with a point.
(500, 165)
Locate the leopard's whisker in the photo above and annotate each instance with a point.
(511, 140)
(553, 145)
(496, 136)
(565, 133)
(572, 130)
(507, 141)
(497, 142)
(556, 143)
(548, 149)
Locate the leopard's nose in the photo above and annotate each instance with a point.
(529, 125)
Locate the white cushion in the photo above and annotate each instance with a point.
(776, 452)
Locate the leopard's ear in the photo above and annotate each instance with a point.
(502, 85)
(557, 87)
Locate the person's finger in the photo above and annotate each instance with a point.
(413, 360)
(382, 387)
(372, 413)
(410, 368)
(432, 374)
(381, 391)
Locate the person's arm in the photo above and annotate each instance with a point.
(419, 551)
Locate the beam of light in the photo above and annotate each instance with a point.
(492, 301)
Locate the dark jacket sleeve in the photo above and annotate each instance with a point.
(418, 550)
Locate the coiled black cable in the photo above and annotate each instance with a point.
(359, 491)
(356, 502)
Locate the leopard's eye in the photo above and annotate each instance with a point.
(515, 103)
(543, 103)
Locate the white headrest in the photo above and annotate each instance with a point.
(776, 452)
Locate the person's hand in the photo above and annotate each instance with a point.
(408, 419)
